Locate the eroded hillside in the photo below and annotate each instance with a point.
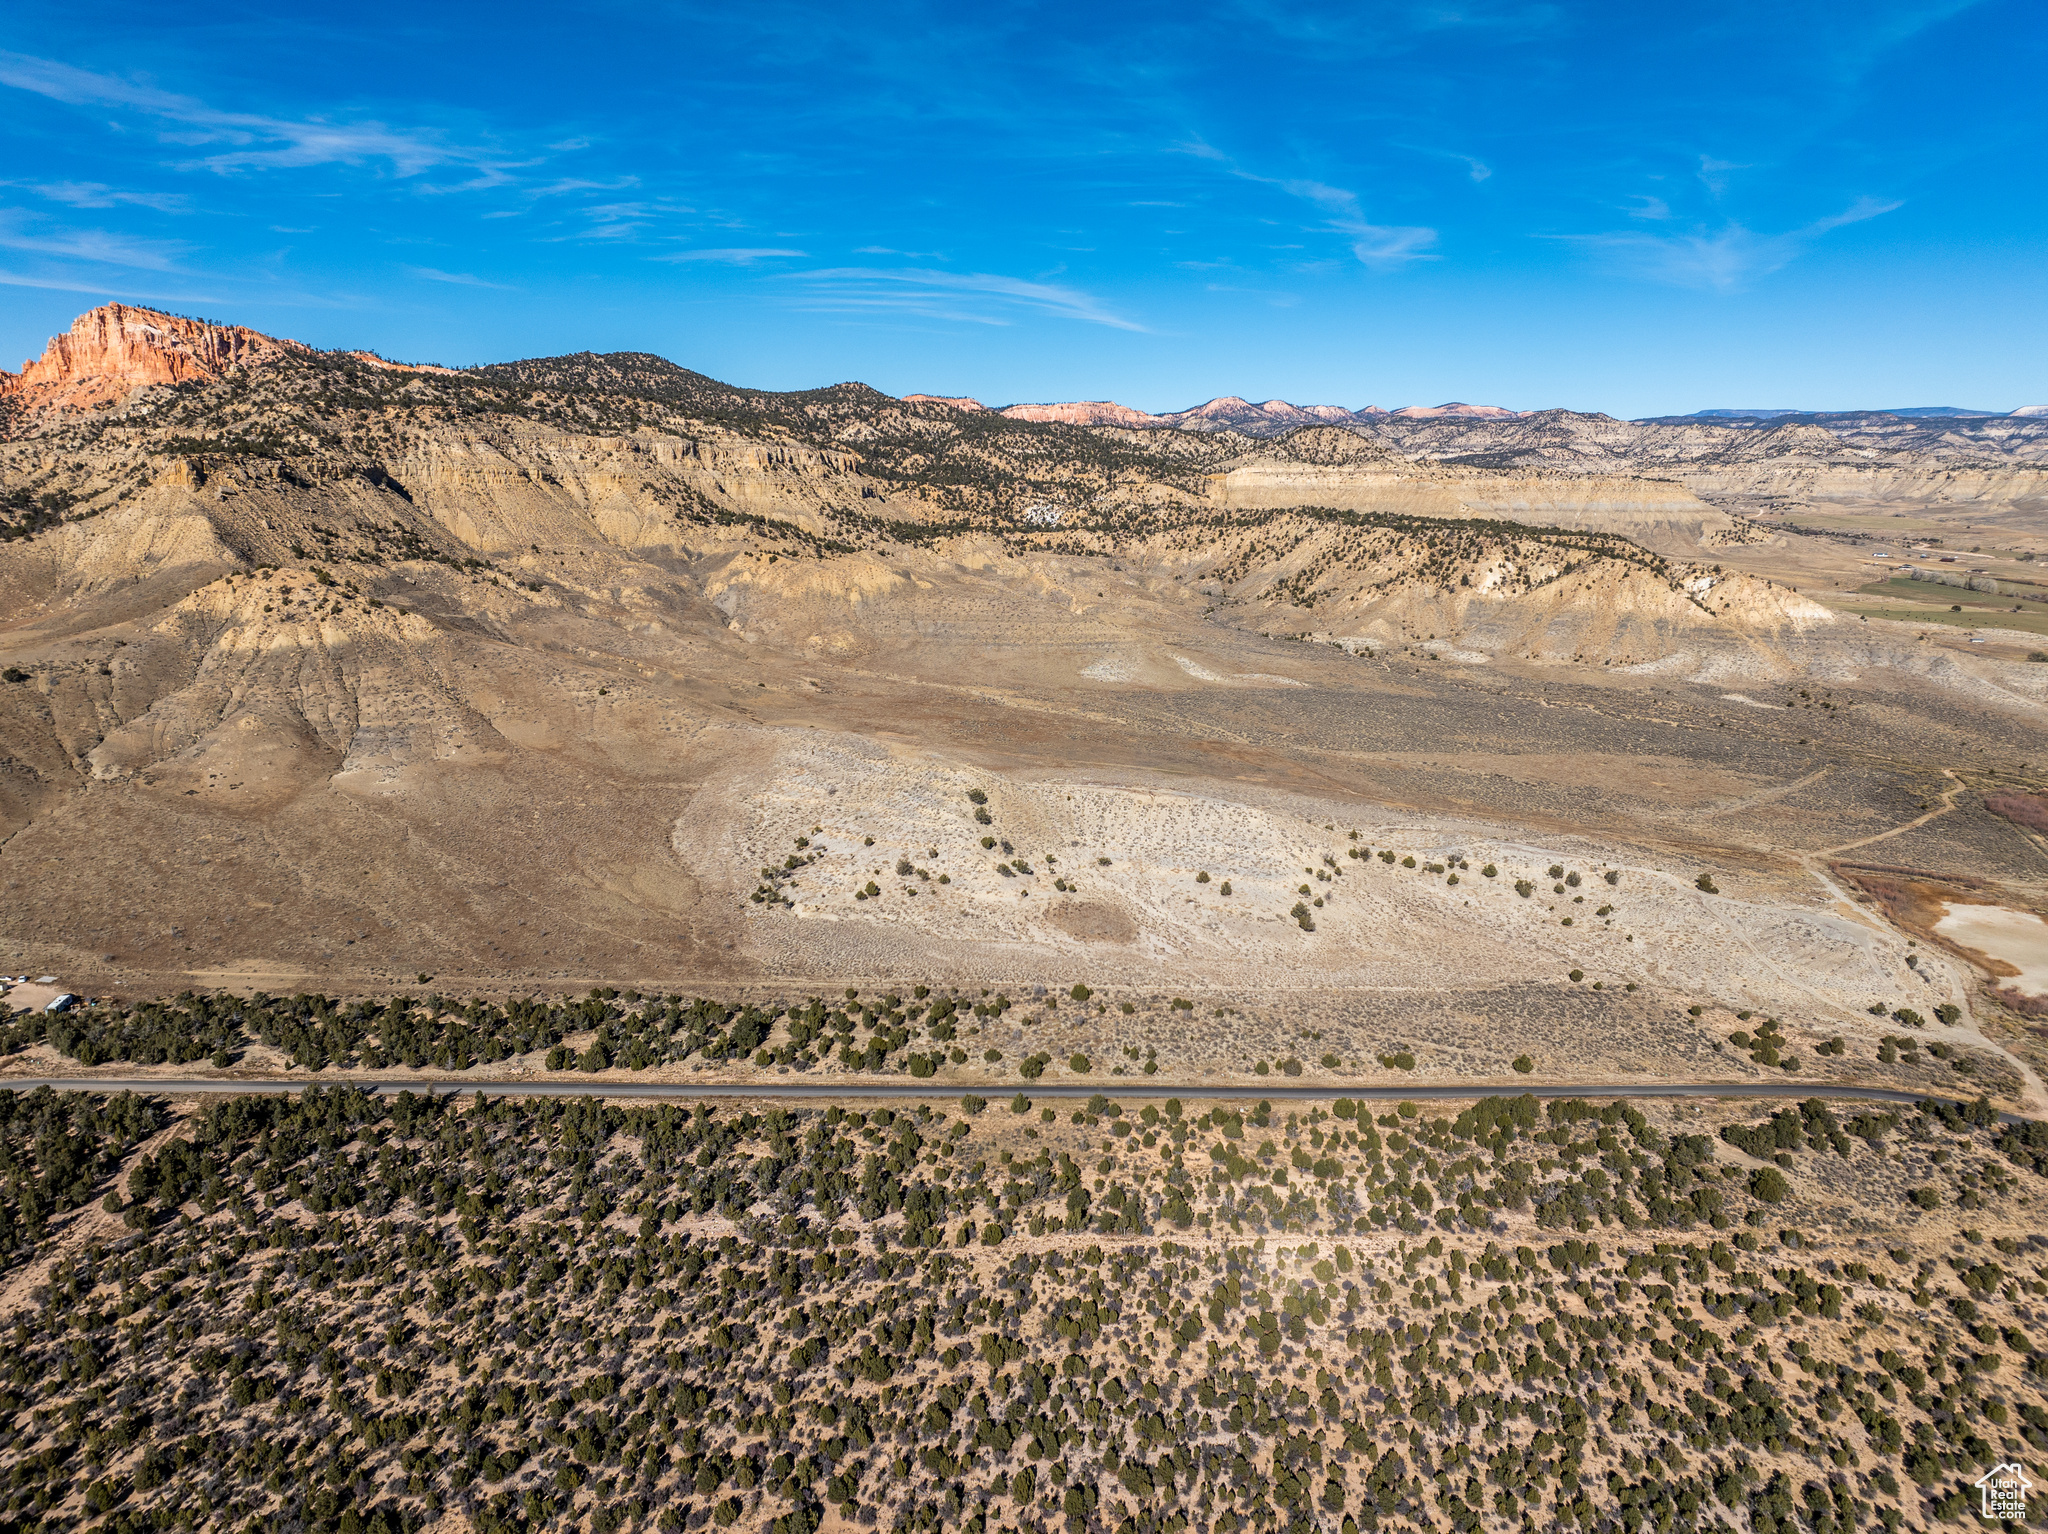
(329, 667)
(1995, 462)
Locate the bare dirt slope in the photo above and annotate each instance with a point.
(332, 673)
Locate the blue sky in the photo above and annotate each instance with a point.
(1628, 208)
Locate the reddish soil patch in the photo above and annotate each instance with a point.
(1914, 900)
(2028, 811)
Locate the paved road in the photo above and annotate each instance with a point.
(809, 1090)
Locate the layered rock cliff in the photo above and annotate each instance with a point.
(1867, 459)
(314, 660)
(114, 349)
(1338, 469)
(1091, 412)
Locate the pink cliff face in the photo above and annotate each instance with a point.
(114, 349)
(1092, 412)
(1232, 411)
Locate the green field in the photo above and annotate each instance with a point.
(1979, 610)
(1927, 591)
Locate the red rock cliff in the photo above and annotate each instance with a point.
(113, 349)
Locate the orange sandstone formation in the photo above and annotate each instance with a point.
(114, 349)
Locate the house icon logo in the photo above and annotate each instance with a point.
(2005, 1488)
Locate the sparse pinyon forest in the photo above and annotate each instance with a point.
(341, 1312)
(948, 1034)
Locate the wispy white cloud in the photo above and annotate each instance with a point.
(20, 233)
(1375, 30)
(1476, 169)
(1722, 260)
(732, 257)
(1883, 28)
(1380, 247)
(568, 185)
(94, 194)
(1714, 173)
(610, 220)
(625, 222)
(979, 298)
(459, 279)
(248, 140)
(67, 284)
(615, 220)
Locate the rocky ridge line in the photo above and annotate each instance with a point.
(1232, 413)
(114, 349)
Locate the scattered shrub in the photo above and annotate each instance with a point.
(1768, 1185)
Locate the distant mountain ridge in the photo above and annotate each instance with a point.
(1904, 412)
(1267, 418)
(1275, 417)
